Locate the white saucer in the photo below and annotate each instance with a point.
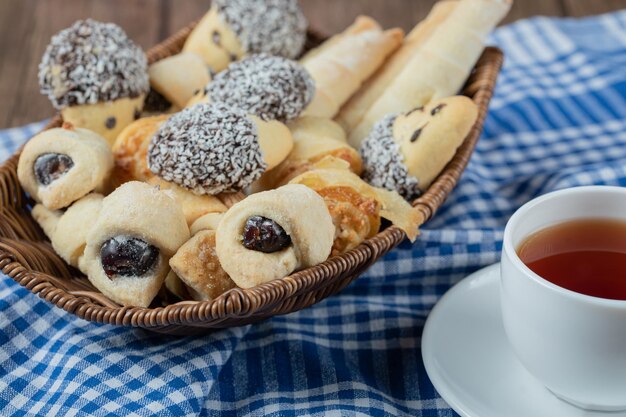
(471, 364)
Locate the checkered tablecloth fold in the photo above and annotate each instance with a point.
(557, 120)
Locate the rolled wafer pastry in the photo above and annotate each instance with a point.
(270, 234)
(352, 112)
(58, 166)
(341, 67)
(406, 152)
(441, 65)
(314, 139)
(128, 248)
(356, 207)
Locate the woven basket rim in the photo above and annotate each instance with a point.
(245, 305)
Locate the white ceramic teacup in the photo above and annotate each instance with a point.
(574, 344)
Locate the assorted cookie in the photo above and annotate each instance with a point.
(129, 246)
(58, 166)
(270, 234)
(355, 206)
(211, 148)
(237, 174)
(406, 152)
(234, 28)
(270, 87)
(96, 76)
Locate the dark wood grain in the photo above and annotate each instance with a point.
(27, 25)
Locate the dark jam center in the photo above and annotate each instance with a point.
(264, 235)
(127, 256)
(51, 166)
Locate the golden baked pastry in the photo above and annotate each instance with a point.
(193, 205)
(197, 265)
(355, 206)
(130, 150)
(314, 138)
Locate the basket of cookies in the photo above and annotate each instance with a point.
(243, 168)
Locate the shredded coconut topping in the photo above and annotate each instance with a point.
(277, 27)
(383, 163)
(270, 87)
(207, 148)
(91, 62)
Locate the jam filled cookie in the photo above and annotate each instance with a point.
(128, 248)
(270, 87)
(355, 206)
(343, 63)
(269, 235)
(67, 230)
(210, 148)
(59, 166)
(315, 138)
(234, 28)
(178, 77)
(406, 152)
(96, 76)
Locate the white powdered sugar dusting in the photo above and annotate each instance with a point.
(383, 163)
(276, 27)
(209, 148)
(270, 87)
(92, 62)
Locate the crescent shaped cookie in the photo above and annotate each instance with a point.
(270, 234)
(61, 165)
(128, 248)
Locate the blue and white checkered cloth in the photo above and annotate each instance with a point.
(558, 120)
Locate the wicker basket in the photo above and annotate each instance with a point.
(27, 257)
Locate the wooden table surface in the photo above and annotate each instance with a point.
(27, 25)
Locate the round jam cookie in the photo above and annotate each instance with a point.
(129, 245)
(58, 166)
(270, 87)
(95, 75)
(208, 149)
(270, 234)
